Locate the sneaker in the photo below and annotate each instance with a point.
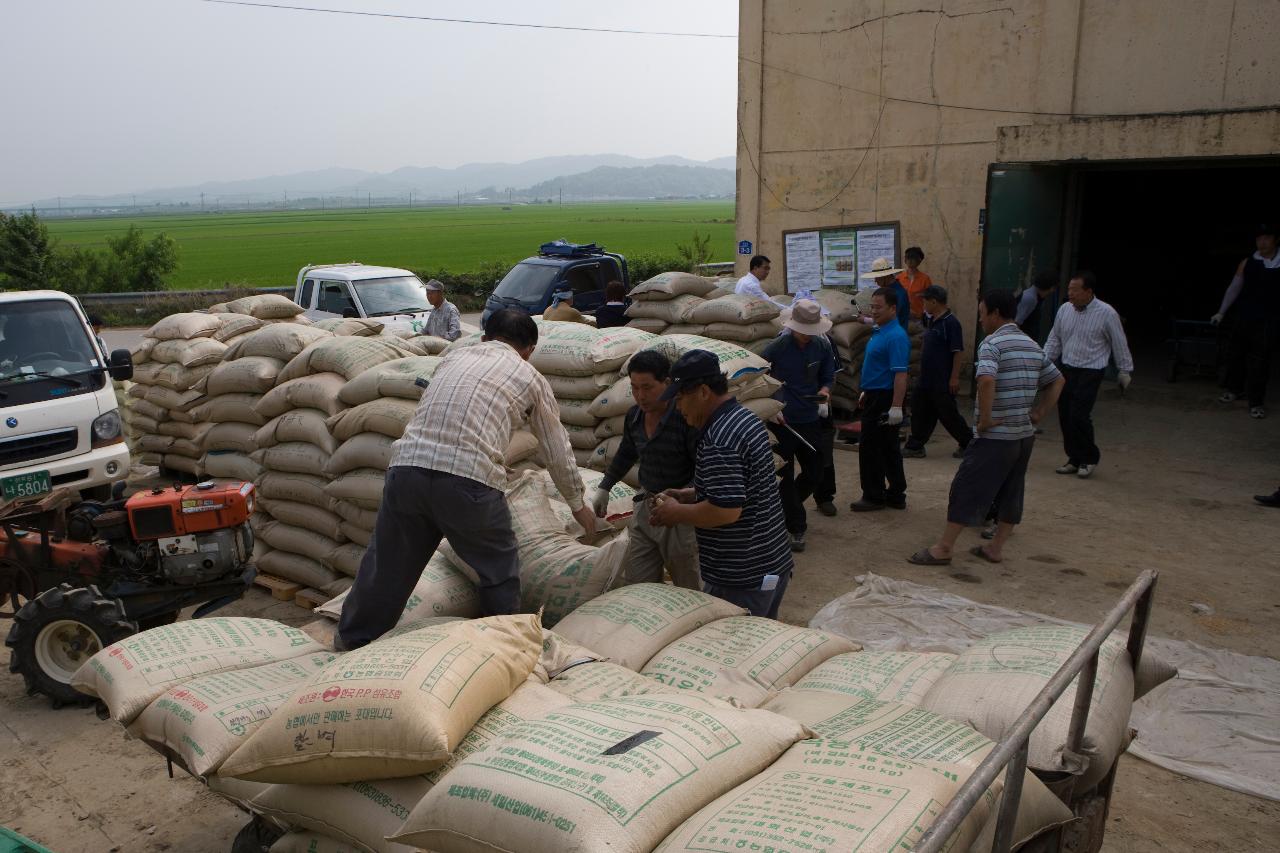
(797, 542)
(1086, 471)
(913, 453)
(1258, 412)
(1066, 469)
(1227, 397)
(827, 508)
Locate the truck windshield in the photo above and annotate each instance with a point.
(403, 294)
(526, 282)
(44, 338)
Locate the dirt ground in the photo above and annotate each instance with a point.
(1172, 493)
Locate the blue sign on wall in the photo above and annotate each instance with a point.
(744, 247)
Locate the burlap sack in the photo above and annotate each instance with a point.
(741, 332)
(190, 353)
(851, 334)
(576, 412)
(891, 676)
(995, 679)
(610, 427)
(305, 425)
(905, 731)
(743, 658)
(393, 379)
(167, 398)
(604, 453)
(301, 515)
(230, 465)
(580, 387)
(668, 285)
(366, 450)
(155, 443)
(182, 464)
(353, 514)
(230, 407)
(310, 842)
(652, 325)
(236, 326)
(181, 379)
(184, 327)
(764, 408)
(359, 327)
(191, 447)
(298, 457)
(303, 570)
(686, 329)
(614, 401)
(346, 558)
(286, 486)
(427, 344)
(613, 776)
(558, 655)
(397, 707)
(278, 340)
(316, 391)
(177, 429)
(599, 680)
(733, 309)
(362, 487)
(842, 797)
(575, 349)
(735, 362)
(347, 356)
(442, 590)
(523, 446)
(676, 310)
(297, 540)
(581, 437)
(388, 416)
(251, 374)
(235, 791)
(129, 675)
(264, 306)
(202, 721)
(631, 624)
(140, 352)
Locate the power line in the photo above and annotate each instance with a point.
(439, 20)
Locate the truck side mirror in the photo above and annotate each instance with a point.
(120, 366)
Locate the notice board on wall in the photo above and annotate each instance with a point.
(835, 256)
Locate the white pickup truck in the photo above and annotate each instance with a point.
(59, 423)
(395, 297)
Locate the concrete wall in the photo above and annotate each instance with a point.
(839, 118)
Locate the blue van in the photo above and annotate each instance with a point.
(582, 269)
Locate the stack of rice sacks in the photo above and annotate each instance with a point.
(749, 322)
(175, 356)
(662, 304)
(297, 523)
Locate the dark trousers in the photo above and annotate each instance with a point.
(1075, 414)
(928, 408)
(1253, 347)
(795, 487)
(879, 456)
(758, 602)
(419, 508)
(826, 491)
(990, 483)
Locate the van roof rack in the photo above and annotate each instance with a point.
(564, 249)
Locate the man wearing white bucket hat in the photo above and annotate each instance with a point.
(802, 359)
(884, 274)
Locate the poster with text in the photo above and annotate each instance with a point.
(804, 261)
(839, 259)
(874, 243)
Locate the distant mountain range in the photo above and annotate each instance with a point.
(580, 176)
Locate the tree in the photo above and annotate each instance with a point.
(696, 253)
(132, 263)
(30, 259)
(26, 252)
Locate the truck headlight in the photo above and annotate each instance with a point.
(106, 428)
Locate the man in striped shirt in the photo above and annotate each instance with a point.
(1011, 369)
(1086, 334)
(447, 476)
(734, 504)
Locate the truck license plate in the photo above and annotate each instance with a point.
(26, 485)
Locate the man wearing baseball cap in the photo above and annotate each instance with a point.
(444, 321)
(743, 550)
(802, 359)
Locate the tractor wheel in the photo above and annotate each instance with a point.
(54, 634)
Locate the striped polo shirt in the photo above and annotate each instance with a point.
(1021, 369)
(734, 469)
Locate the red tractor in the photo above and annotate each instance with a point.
(110, 568)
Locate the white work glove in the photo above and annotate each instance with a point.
(600, 502)
(824, 411)
(1124, 379)
(1216, 319)
(894, 417)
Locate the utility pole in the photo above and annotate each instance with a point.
(562, 196)
(135, 202)
(411, 199)
(459, 198)
(368, 201)
(202, 202)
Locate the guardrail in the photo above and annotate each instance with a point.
(717, 268)
(1010, 753)
(156, 295)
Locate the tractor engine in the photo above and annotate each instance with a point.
(191, 534)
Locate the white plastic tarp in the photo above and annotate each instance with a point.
(1218, 721)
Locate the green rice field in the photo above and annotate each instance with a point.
(267, 249)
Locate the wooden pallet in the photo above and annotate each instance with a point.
(279, 588)
(311, 598)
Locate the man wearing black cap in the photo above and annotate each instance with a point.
(1256, 336)
(744, 553)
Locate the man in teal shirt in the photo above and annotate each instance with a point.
(884, 388)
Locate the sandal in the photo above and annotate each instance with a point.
(980, 551)
(924, 558)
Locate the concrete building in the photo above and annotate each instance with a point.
(1138, 138)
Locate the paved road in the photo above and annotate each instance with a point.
(127, 338)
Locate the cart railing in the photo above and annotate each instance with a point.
(1011, 751)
